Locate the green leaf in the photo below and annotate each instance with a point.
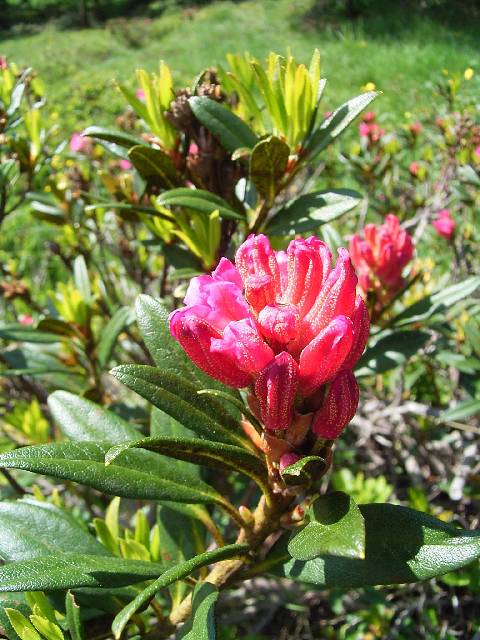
(268, 163)
(439, 301)
(312, 211)
(402, 545)
(120, 320)
(81, 278)
(335, 124)
(171, 575)
(178, 397)
(22, 626)
(154, 165)
(29, 529)
(198, 200)
(391, 350)
(120, 138)
(335, 527)
(304, 471)
(48, 212)
(125, 206)
(6, 625)
(462, 410)
(232, 132)
(201, 625)
(72, 570)
(211, 454)
(136, 474)
(47, 628)
(22, 333)
(58, 327)
(83, 420)
(74, 622)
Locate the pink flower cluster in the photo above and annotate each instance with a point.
(381, 255)
(286, 325)
(369, 129)
(444, 224)
(79, 144)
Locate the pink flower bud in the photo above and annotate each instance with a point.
(444, 224)
(275, 389)
(361, 329)
(258, 268)
(477, 151)
(321, 360)
(287, 459)
(414, 168)
(3, 63)
(25, 319)
(279, 323)
(369, 116)
(124, 165)
(415, 128)
(382, 255)
(140, 94)
(364, 129)
(338, 408)
(242, 343)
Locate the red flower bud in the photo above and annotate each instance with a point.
(275, 389)
(338, 407)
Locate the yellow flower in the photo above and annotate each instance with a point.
(468, 73)
(370, 86)
(54, 115)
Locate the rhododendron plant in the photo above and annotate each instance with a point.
(284, 324)
(381, 255)
(444, 224)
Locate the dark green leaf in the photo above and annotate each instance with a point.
(29, 529)
(205, 452)
(120, 320)
(57, 326)
(178, 397)
(335, 124)
(71, 570)
(402, 545)
(268, 163)
(201, 625)
(391, 350)
(335, 527)
(154, 165)
(110, 135)
(22, 333)
(232, 132)
(198, 200)
(304, 471)
(171, 575)
(312, 210)
(136, 474)
(83, 420)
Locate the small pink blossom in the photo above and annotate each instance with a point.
(124, 164)
(283, 323)
(79, 144)
(140, 94)
(444, 224)
(25, 319)
(415, 128)
(3, 63)
(477, 152)
(414, 168)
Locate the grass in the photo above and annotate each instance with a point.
(401, 53)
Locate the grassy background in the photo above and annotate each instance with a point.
(401, 52)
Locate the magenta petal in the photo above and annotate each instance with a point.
(195, 336)
(275, 390)
(338, 408)
(361, 329)
(321, 360)
(242, 343)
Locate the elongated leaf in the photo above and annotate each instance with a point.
(268, 163)
(462, 410)
(171, 575)
(402, 545)
(136, 474)
(335, 527)
(22, 333)
(71, 570)
(178, 397)
(312, 210)
(211, 454)
(29, 529)
(391, 350)
(83, 420)
(110, 135)
(198, 200)
(304, 471)
(201, 625)
(125, 206)
(73, 617)
(335, 124)
(154, 165)
(232, 132)
(48, 212)
(120, 320)
(81, 278)
(440, 300)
